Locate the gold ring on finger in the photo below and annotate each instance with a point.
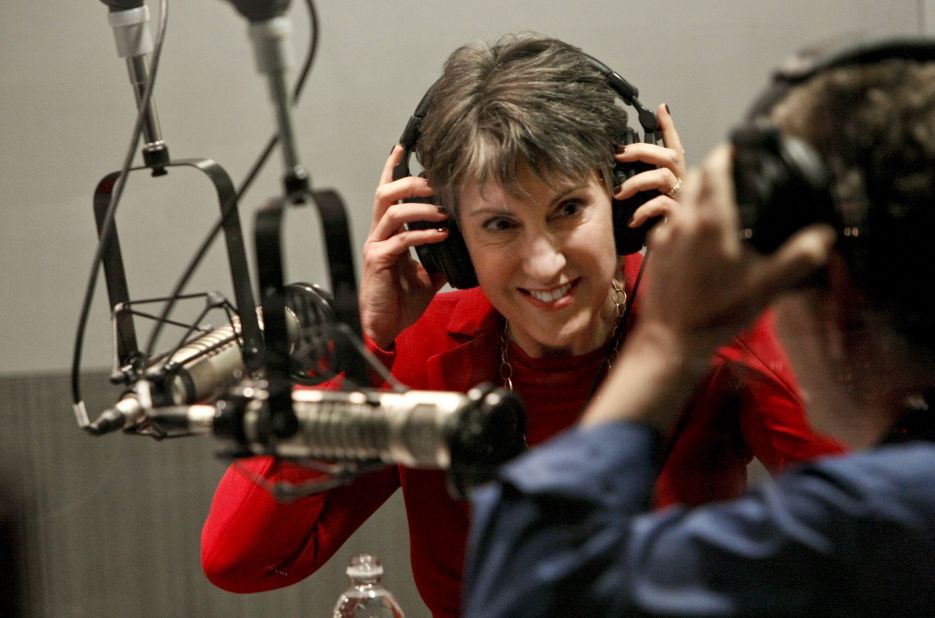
(676, 188)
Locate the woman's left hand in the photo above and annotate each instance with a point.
(666, 177)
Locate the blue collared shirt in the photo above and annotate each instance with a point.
(568, 531)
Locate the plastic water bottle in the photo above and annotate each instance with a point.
(366, 597)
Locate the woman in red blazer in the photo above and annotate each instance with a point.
(521, 144)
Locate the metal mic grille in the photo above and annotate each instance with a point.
(411, 428)
(470, 435)
(343, 430)
(208, 344)
(203, 365)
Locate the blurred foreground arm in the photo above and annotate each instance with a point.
(563, 532)
(703, 285)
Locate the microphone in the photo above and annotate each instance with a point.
(469, 435)
(214, 361)
(130, 22)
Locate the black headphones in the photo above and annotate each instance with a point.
(781, 182)
(451, 256)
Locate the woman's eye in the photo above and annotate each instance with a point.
(498, 224)
(569, 208)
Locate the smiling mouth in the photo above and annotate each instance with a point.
(550, 296)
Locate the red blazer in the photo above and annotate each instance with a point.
(748, 406)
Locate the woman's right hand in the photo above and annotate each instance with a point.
(395, 288)
(668, 169)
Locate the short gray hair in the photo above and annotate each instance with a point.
(524, 101)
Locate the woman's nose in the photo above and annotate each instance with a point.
(544, 259)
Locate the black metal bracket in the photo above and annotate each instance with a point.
(270, 271)
(128, 352)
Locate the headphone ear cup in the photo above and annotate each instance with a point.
(449, 257)
(456, 260)
(630, 239)
(781, 185)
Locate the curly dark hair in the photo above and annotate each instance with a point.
(875, 127)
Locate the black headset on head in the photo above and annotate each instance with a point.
(781, 182)
(451, 256)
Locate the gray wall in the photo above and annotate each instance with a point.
(67, 116)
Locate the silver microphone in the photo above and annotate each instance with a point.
(467, 434)
(208, 364)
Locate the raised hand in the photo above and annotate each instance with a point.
(395, 289)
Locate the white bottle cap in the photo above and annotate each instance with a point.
(364, 565)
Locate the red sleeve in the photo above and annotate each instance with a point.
(772, 414)
(251, 542)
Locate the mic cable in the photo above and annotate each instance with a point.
(241, 191)
(78, 404)
(81, 414)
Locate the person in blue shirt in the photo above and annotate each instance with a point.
(832, 182)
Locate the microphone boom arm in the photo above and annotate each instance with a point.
(130, 22)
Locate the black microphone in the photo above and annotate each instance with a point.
(130, 22)
(212, 362)
(469, 435)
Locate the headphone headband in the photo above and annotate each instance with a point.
(630, 95)
(806, 64)
(624, 89)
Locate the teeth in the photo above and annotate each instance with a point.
(552, 296)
